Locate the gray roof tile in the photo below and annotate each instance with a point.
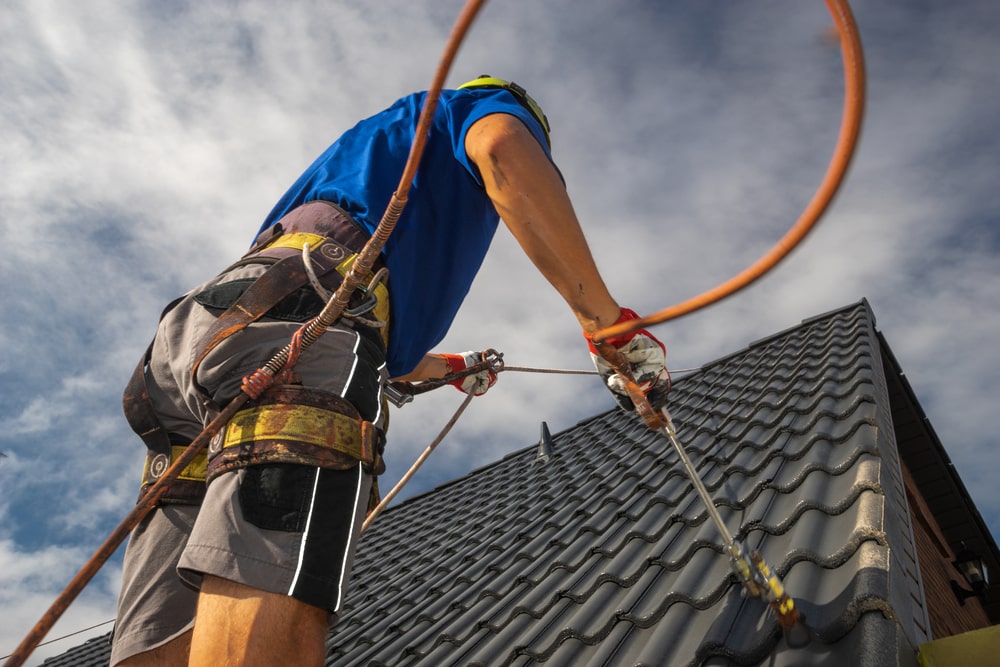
(605, 555)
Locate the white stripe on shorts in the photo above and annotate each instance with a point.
(347, 545)
(381, 390)
(354, 366)
(305, 534)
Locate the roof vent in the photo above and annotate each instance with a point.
(545, 449)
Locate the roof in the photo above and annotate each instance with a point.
(94, 652)
(596, 550)
(605, 555)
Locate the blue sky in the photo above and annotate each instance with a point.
(143, 143)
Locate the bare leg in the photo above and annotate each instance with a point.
(244, 626)
(173, 653)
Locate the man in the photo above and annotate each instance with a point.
(266, 552)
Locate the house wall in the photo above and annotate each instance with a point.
(946, 614)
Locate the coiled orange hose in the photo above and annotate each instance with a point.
(850, 130)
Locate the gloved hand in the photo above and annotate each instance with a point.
(477, 383)
(646, 357)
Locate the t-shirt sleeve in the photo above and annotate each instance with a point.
(466, 107)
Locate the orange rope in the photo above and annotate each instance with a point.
(850, 129)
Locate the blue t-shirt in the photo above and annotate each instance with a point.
(448, 222)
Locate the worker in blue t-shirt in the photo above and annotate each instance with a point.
(264, 553)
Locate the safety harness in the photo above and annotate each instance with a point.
(289, 423)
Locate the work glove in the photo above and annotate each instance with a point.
(646, 357)
(477, 383)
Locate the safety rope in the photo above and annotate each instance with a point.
(755, 575)
(569, 371)
(309, 334)
(497, 368)
(850, 130)
(416, 464)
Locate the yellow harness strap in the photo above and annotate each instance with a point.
(298, 424)
(295, 424)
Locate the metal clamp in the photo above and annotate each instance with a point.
(401, 393)
(396, 395)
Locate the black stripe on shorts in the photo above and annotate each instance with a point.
(323, 567)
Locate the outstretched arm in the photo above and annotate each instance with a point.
(531, 199)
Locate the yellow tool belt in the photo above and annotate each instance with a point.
(296, 424)
(288, 424)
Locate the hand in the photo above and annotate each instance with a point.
(646, 357)
(476, 384)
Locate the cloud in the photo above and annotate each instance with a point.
(30, 581)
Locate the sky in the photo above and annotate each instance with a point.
(142, 144)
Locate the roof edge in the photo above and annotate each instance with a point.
(785, 332)
(948, 470)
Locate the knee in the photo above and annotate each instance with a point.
(174, 652)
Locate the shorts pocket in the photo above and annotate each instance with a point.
(278, 496)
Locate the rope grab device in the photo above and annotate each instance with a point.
(757, 578)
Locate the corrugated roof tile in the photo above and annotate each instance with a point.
(785, 437)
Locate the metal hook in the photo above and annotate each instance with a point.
(313, 278)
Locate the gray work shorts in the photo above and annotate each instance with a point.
(154, 606)
(281, 528)
(294, 534)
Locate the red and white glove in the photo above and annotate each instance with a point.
(646, 357)
(477, 383)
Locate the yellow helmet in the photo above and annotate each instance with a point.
(519, 93)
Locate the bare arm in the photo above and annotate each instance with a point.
(531, 199)
(432, 366)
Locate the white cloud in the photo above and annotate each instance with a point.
(30, 582)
